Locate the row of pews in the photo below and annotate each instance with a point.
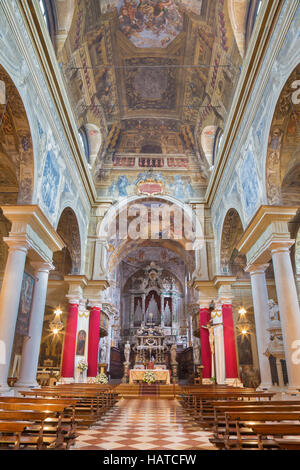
(49, 417)
(244, 418)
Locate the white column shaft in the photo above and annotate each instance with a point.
(289, 312)
(261, 309)
(9, 306)
(31, 346)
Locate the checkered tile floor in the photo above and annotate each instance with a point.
(145, 424)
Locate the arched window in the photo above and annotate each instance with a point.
(84, 143)
(49, 18)
(44, 13)
(217, 144)
(253, 12)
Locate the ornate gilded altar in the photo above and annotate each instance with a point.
(150, 346)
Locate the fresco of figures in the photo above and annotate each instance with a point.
(150, 23)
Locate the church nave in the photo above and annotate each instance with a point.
(145, 424)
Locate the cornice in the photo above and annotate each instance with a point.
(261, 221)
(22, 216)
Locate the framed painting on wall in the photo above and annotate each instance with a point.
(81, 339)
(22, 326)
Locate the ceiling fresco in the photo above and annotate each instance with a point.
(151, 75)
(150, 23)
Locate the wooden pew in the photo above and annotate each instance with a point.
(219, 422)
(13, 429)
(275, 429)
(288, 444)
(62, 423)
(244, 421)
(35, 435)
(90, 406)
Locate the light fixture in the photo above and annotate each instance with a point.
(244, 327)
(57, 325)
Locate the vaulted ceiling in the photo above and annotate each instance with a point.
(152, 76)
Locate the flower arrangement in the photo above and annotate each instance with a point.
(101, 379)
(82, 365)
(149, 377)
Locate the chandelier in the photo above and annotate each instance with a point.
(56, 325)
(244, 326)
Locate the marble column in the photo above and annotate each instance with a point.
(143, 308)
(261, 309)
(68, 360)
(93, 344)
(289, 309)
(9, 303)
(162, 310)
(204, 339)
(31, 346)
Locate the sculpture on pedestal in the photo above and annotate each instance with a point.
(127, 352)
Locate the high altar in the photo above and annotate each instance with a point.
(150, 351)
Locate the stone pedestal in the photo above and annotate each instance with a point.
(174, 368)
(199, 373)
(102, 368)
(125, 378)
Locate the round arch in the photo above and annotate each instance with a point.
(16, 145)
(180, 237)
(68, 230)
(283, 155)
(231, 261)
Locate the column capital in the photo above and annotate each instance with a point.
(280, 246)
(76, 286)
(30, 223)
(220, 281)
(95, 303)
(40, 266)
(223, 284)
(268, 227)
(20, 243)
(256, 268)
(204, 302)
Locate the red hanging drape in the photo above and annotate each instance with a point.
(156, 298)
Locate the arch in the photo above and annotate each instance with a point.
(283, 156)
(114, 210)
(16, 146)
(185, 243)
(68, 229)
(231, 261)
(283, 144)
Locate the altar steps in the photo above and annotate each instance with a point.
(151, 390)
(168, 392)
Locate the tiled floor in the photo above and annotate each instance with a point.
(145, 424)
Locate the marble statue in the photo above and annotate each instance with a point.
(127, 351)
(273, 310)
(103, 352)
(196, 351)
(173, 354)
